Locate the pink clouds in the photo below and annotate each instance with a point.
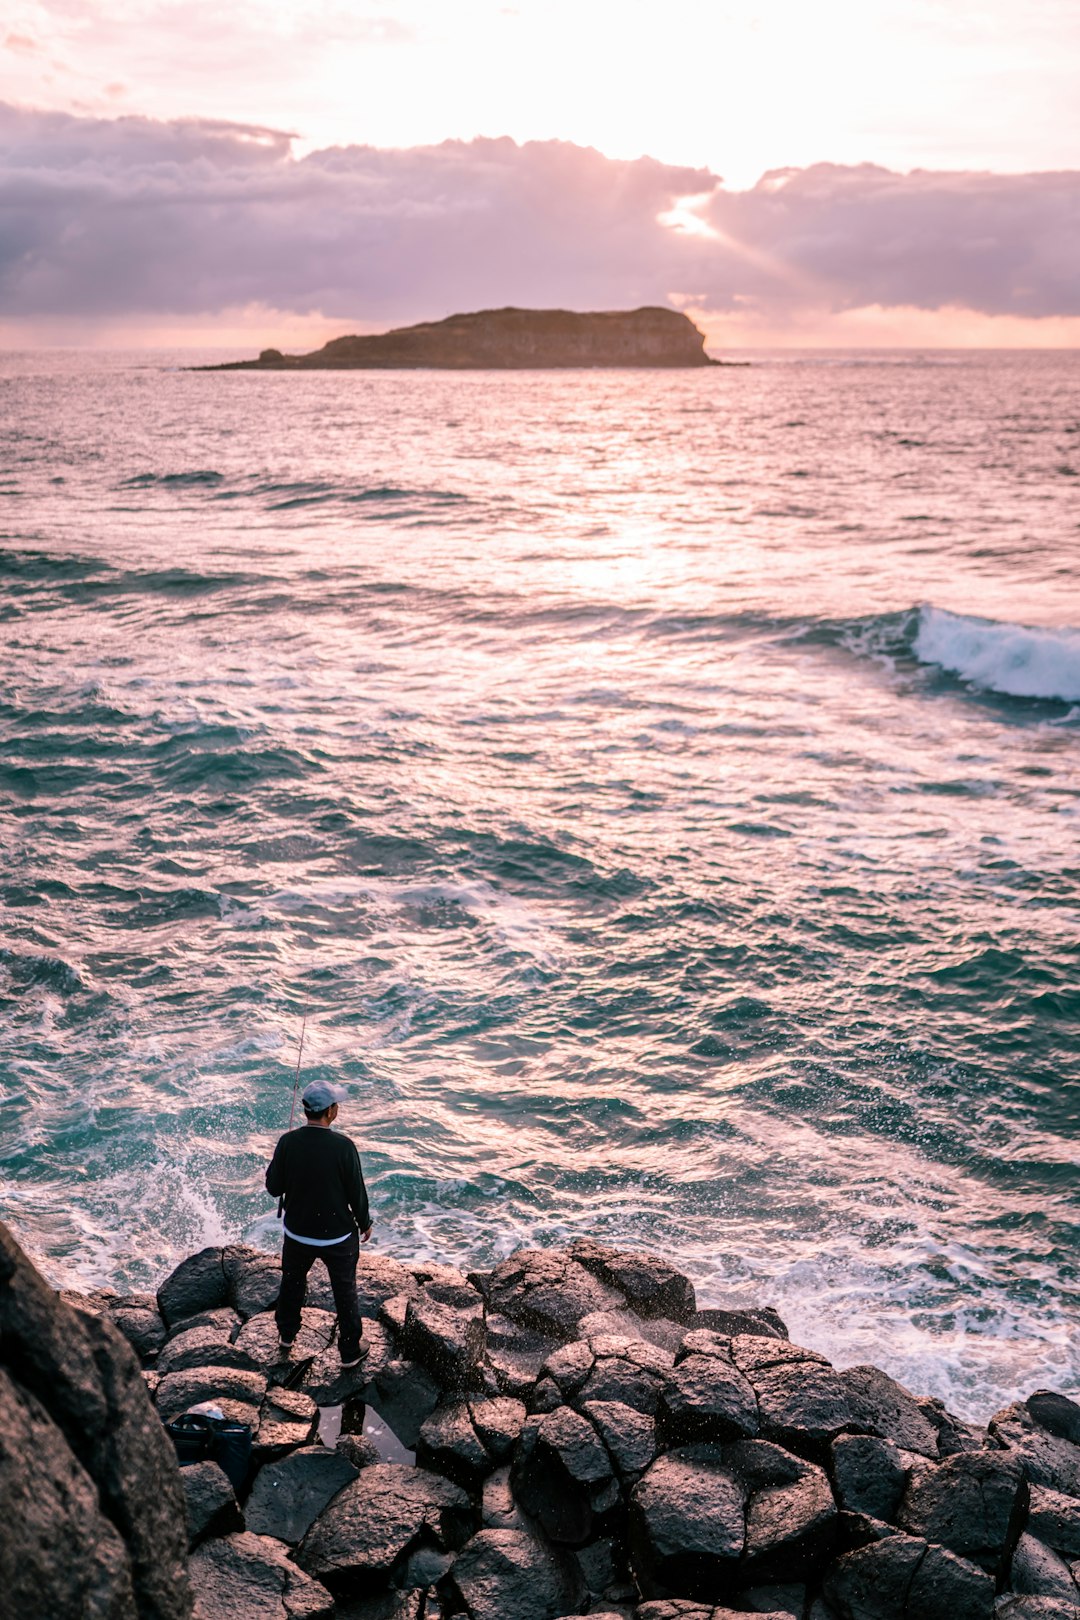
(107, 219)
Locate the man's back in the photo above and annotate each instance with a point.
(317, 1172)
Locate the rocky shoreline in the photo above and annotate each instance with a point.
(565, 1434)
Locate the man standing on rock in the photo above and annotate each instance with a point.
(317, 1174)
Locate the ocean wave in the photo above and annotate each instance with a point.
(1015, 660)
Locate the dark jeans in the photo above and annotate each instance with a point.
(340, 1260)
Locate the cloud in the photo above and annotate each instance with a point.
(106, 219)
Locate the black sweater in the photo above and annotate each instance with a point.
(318, 1174)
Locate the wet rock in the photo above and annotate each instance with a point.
(358, 1449)
(632, 1371)
(515, 1353)
(881, 1406)
(258, 1339)
(562, 1475)
(238, 1393)
(141, 1326)
(760, 1322)
(859, 1529)
(548, 1291)
(1055, 1519)
(287, 1418)
(252, 1278)
(629, 1436)
(446, 1337)
(202, 1347)
(392, 1313)
(569, 1366)
(1048, 1459)
(1010, 1607)
(705, 1397)
(498, 1423)
(289, 1495)
(249, 1577)
(448, 1444)
(778, 1602)
(868, 1474)
(1055, 1413)
(222, 1318)
(790, 1511)
(677, 1609)
(498, 1510)
(330, 1384)
(953, 1434)
(687, 1524)
(372, 1525)
(197, 1284)
(212, 1508)
(972, 1503)
(650, 1285)
(546, 1397)
(902, 1578)
(405, 1395)
(78, 1424)
(1038, 1570)
(380, 1278)
(511, 1575)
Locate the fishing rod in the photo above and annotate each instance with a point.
(292, 1110)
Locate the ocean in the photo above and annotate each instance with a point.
(658, 792)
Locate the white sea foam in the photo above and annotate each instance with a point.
(1014, 659)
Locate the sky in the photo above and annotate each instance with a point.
(279, 171)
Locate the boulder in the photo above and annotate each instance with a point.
(515, 1353)
(706, 1397)
(197, 1284)
(763, 1323)
(632, 1371)
(380, 1278)
(239, 1393)
(252, 1278)
(287, 1418)
(364, 1537)
(1039, 1571)
(548, 1291)
(790, 1512)
(249, 1577)
(1055, 1519)
(498, 1422)
(212, 1508)
(562, 1475)
(512, 1575)
(801, 1404)
(405, 1395)
(202, 1347)
(222, 1318)
(868, 1475)
(973, 1503)
(879, 1405)
(392, 1313)
(448, 1444)
(630, 1436)
(1018, 1607)
(288, 1496)
(651, 1286)
(79, 1423)
(1048, 1459)
(141, 1326)
(498, 1510)
(258, 1339)
(687, 1524)
(902, 1578)
(569, 1366)
(1055, 1413)
(445, 1336)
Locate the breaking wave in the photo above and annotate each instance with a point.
(1014, 659)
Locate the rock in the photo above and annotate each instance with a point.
(372, 1525)
(78, 1424)
(222, 1318)
(569, 1366)
(212, 1509)
(1048, 1459)
(973, 1503)
(651, 1286)
(46, 1495)
(258, 1339)
(548, 1291)
(448, 1444)
(248, 1577)
(197, 1284)
(868, 1474)
(445, 1337)
(498, 1510)
(953, 1435)
(758, 1323)
(629, 1436)
(239, 1393)
(1010, 1607)
(502, 339)
(706, 1398)
(632, 1371)
(358, 1449)
(687, 1524)
(902, 1578)
(392, 1313)
(498, 1423)
(1039, 1571)
(511, 1575)
(288, 1496)
(380, 1278)
(801, 1404)
(141, 1326)
(515, 1353)
(405, 1395)
(1055, 1413)
(1055, 1518)
(562, 1475)
(778, 1602)
(287, 1418)
(202, 1347)
(790, 1512)
(330, 1384)
(252, 1278)
(881, 1406)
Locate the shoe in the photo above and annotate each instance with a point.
(285, 1348)
(356, 1360)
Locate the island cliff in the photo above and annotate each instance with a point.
(507, 339)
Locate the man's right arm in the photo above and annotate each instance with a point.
(275, 1171)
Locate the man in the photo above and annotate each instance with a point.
(317, 1174)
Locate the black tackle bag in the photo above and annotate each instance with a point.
(200, 1438)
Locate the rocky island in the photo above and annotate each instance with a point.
(507, 340)
(564, 1434)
